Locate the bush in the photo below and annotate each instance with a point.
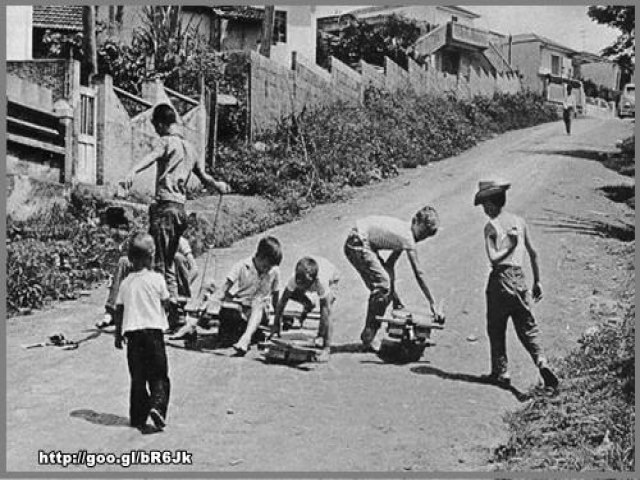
(316, 156)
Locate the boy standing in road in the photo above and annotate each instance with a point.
(374, 234)
(312, 275)
(507, 241)
(167, 218)
(185, 267)
(141, 320)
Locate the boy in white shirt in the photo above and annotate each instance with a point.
(507, 242)
(141, 320)
(374, 234)
(312, 275)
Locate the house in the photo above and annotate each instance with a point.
(601, 71)
(224, 27)
(425, 15)
(450, 43)
(542, 62)
(19, 28)
(294, 29)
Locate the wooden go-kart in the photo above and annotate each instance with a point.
(407, 335)
(296, 345)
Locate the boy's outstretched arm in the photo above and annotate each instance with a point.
(146, 161)
(208, 180)
(279, 309)
(422, 283)
(533, 257)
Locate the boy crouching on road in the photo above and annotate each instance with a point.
(507, 241)
(141, 320)
(374, 234)
(251, 283)
(312, 275)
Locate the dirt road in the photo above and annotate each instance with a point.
(355, 413)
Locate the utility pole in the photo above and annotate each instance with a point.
(267, 30)
(90, 57)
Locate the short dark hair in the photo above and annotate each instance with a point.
(141, 248)
(163, 113)
(498, 199)
(269, 249)
(306, 271)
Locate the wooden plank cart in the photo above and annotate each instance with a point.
(296, 345)
(407, 334)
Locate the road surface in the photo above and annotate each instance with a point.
(355, 413)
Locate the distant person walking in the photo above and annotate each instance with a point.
(568, 109)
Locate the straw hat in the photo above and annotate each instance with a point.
(486, 188)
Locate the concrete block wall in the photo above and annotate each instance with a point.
(275, 90)
(396, 77)
(372, 76)
(312, 84)
(347, 83)
(271, 92)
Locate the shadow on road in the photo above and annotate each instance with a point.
(619, 162)
(348, 348)
(621, 194)
(559, 222)
(106, 419)
(465, 377)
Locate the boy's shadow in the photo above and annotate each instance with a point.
(106, 419)
(465, 377)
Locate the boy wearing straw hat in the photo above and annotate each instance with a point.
(507, 241)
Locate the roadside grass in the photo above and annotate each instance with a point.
(589, 425)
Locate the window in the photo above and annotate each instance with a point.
(454, 18)
(280, 27)
(555, 65)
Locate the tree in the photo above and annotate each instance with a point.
(372, 42)
(623, 49)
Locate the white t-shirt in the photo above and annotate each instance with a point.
(328, 276)
(142, 293)
(386, 233)
(249, 286)
(499, 227)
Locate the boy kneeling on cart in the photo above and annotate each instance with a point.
(313, 274)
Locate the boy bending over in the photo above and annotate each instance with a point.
(369, 237)
(312, 275)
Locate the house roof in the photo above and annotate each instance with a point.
(380, 9)
(241, 12)
(59, 17)
(588, 57)
(534, 37)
